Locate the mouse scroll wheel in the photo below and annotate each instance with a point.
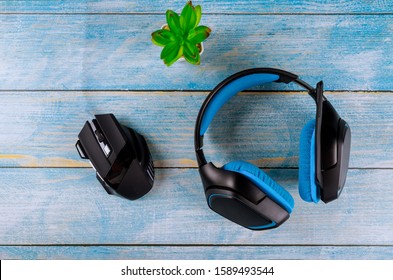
(99, 135)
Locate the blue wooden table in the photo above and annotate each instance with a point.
(61, 62)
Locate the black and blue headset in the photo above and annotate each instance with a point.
(243, 193)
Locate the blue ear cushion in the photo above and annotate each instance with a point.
(307, 188)
(273, 190)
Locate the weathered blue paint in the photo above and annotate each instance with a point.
(69, 206)
(209, 6)
(263, 128)
(95, 52)
(197, 252)
(51, 50)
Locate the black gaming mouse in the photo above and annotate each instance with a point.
(119, 155)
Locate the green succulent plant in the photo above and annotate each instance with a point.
(182, 36)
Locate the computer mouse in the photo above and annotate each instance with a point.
(119, 155)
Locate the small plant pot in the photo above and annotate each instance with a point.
(199, 46)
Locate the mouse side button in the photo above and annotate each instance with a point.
(80, 150)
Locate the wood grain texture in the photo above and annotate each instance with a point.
(69, 207)
(64, 61)
(63, 52)
(41, 128)
(197, 252)
(209, 6)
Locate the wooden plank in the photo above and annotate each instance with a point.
(197, 252)
(69, 207)
(63, 52)
(209, 6)
(41, 128)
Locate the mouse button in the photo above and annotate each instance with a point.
(99, 135)
(136, 143)
(126, 154)
(131, 141)
(100, 138)
(143, 150)
(93, 150)
(111, 130)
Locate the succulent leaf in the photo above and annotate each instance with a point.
(162, 37)
(191, 53)
(198, 14)
(173, 46)
(174, 55)
(173, 20)
(199, 34)
(187, 17)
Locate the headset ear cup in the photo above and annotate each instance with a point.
(273, 190)
(308, 190)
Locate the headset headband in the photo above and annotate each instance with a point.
(230, 87)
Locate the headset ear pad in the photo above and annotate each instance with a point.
(273, 190)
(308, 190)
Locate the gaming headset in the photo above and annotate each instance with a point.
(243, 193)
